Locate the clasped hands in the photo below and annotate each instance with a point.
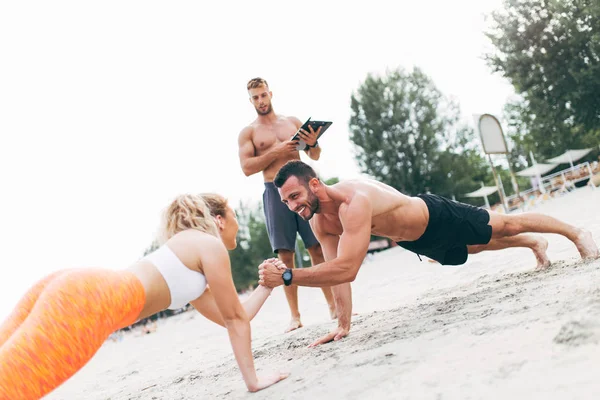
(269, 272)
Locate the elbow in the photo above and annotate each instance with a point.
(237, 326)
(236, 319)
(247, 167)
(350, 277)
(247, 171)
(350, 274)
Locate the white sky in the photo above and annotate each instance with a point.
(110, 109)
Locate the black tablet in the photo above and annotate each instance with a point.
(324, 125)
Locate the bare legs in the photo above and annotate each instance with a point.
(291, 292)
(534, 242)
(507, 231)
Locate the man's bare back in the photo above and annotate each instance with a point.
(393, 215)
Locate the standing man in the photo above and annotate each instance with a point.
(264, 146)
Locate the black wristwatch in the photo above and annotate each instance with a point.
(316, 145)
(287, 277)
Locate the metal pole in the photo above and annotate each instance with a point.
(570, 159)
(513, 178)
(498, 185)
(537, 174)
(298, 255)
(591, 175)
(487, 203)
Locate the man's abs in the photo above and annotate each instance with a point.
(266, 138)
(270, 172)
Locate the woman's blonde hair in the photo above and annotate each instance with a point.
(216, 203)
(187, 211)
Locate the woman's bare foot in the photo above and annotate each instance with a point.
(294, 324)
(586, 245)
(539, 250)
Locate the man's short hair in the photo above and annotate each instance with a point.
(297, 168)
(256, 82)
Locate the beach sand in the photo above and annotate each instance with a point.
(490, 329)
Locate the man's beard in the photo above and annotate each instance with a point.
(313, 205)
(267, 112)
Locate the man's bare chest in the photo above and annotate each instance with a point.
(266, 136)
(332, 226)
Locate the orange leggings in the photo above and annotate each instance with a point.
(60, 324)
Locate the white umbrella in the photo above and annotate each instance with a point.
(484, 192)
(537, 170)
(540, 185)
(569, 156)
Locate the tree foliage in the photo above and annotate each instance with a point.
(409, 136)
(253, 246)
(550, 51)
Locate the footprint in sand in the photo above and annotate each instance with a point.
(579, 332)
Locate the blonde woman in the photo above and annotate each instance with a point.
(64, 319)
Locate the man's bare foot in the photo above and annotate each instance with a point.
(539, 250)
(586, 245)
(294, 324)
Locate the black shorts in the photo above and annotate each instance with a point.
(283, 224)
(452, 226)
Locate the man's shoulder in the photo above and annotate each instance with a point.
(293, 120)
(355, 199)
(247, 131)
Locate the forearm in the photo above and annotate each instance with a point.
(240, 337)
(256, 301)
(328, 273)
(314, 153)
(253, 165)
(342, 295)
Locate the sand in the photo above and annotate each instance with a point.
(490, 329)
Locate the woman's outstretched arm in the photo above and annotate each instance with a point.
(207, 306)
(216, 267)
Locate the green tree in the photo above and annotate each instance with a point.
(550, 51)
(253, 246)
(409, 136)
(153, 246)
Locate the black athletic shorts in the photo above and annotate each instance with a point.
(452, 226)
(283, 224)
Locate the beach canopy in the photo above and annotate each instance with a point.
(483, 191)
(537, 170)
(569, 156)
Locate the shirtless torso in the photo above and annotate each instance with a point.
(264, 136)
(345, 215)
(393, 214)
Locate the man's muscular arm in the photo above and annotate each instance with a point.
(342, 293)
(352, 249)
(249, 161)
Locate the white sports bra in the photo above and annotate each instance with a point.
(184, 284)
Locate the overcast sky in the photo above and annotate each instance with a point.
(110, 109)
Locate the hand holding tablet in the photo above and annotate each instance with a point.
(317, 126)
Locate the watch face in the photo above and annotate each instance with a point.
(287, 274)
